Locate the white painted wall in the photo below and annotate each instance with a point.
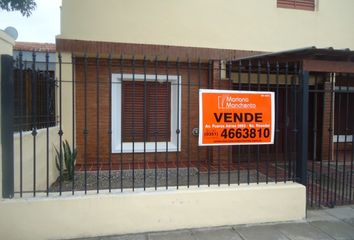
(41, 159)
(121, 213)
(237, 24)
(6, 43)
(67, 100)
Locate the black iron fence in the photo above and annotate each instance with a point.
(127, 123)
(330, 164)
(34, 95)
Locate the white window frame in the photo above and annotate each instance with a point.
(343, 138)
(174, 144)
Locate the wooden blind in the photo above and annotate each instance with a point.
(297, 4)
(156, 124)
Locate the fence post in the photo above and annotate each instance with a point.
(301, 166)
(7, 109)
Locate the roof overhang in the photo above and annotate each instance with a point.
(311, 59)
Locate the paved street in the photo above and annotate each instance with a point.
(336, 223)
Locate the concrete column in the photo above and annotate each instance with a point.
(67, 100)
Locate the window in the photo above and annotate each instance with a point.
(343, 116)
(146, 111)
(297, 4)
(158, 99)
(34, 99)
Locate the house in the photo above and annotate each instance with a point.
(183, 40)
(128, 76)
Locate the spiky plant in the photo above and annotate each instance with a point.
(66, 159)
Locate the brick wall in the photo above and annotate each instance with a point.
(189, 152)
(327, 124)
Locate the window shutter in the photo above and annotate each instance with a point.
(157, 103)
(297, 4)
(159, 112)
(132, 111)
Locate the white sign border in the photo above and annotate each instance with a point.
(200, 137)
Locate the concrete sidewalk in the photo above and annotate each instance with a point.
(335, 223)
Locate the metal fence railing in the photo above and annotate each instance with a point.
(34, 95)
(330, 165)
(129, 123)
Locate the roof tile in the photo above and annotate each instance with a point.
(35, 46)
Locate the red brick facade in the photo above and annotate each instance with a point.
(189, 143)
(327, 122)
(208, 75)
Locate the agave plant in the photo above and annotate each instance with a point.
(67, 158)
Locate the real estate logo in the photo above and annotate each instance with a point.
(229, 102)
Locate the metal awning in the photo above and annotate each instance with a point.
(310, 58)
(314, 53)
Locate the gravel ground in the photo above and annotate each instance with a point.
(159, 178)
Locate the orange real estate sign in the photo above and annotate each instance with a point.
(235, 117)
